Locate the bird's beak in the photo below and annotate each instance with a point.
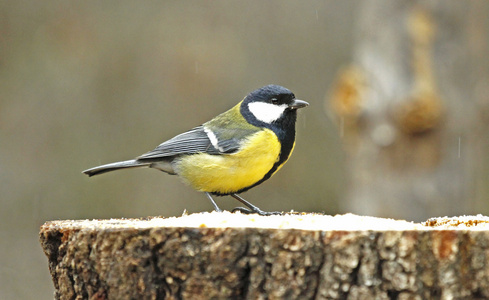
(296, 104)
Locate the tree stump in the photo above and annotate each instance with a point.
(294, 256)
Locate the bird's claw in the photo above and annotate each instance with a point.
(248, 211)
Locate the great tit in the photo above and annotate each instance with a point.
(233, 152)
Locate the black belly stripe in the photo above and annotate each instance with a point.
(284, 155)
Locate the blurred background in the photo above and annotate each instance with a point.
(84, 83)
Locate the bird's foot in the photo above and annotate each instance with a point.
(251, 208)
(248, 211)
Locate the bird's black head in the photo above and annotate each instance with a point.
(271, 104)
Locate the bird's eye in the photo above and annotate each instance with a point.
(274, 101)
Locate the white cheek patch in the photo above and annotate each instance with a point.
(267, 112)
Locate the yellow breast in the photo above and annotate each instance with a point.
(229, 173)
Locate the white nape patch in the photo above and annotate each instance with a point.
(213, 138)
(267, 112)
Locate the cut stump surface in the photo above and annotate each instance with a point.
(295, 256)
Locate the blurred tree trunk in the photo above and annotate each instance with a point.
(407, 108)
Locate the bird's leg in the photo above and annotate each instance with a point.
(251, 208)
(216, 208)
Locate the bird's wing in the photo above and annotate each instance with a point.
(193, 141)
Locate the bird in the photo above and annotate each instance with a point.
(233, 152)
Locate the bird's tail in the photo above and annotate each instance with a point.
(116, 166)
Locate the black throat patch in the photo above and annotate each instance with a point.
(284, 128)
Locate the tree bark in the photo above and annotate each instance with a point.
(409, 111)
(278, 257)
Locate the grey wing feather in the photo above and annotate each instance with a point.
(228, 146)
(195, 140)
